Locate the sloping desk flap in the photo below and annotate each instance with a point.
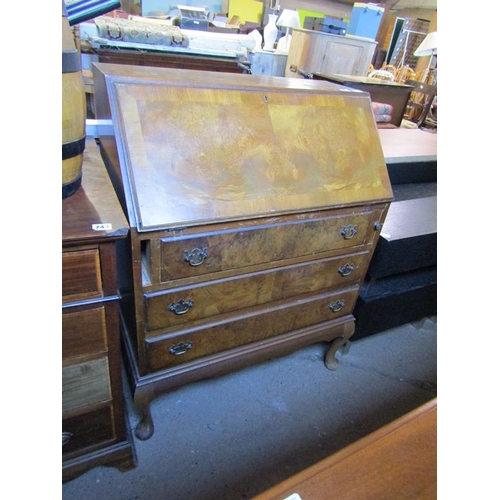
(196, 151)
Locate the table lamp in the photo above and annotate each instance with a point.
(428, 47)
(288, 19)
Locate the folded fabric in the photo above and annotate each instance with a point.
(127, 30)
(383, 118)
(381, 108)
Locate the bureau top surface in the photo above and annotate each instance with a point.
(201, 147)
(93, 212)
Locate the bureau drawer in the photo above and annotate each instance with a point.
(84, 331)
(81, 275)
(186, 256)
(258, 323)
(85, 384)
(186, 304)
(88, 429)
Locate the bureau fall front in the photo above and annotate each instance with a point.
(254, 205)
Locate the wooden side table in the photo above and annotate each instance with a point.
(94, 425)
(395, 94)
(171, 60)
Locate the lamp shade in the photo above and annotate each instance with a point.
(428, 47)
(289, 19)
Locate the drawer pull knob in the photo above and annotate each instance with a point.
(196, 256)
(180, 348)
(337, 305)
(377, 226)
(349, 231)
(66, 437)
(182, 307)
(346, 269)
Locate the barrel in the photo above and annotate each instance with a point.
(73, 112)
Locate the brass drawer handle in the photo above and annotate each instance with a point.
(337, 305)
(196, 256)
(349, 231)
(346, 269)
(182, 307)
(180, 348)
(66, 437)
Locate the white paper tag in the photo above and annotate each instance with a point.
(102, 227)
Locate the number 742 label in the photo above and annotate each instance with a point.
(102, 227)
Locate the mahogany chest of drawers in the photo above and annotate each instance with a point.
(94, 426)
(255, 204)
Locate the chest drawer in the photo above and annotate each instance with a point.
(206, 338)
(85, 384)
(84, 331)
(197, 255)
(88, 429)
(81, 276)
(186, 304)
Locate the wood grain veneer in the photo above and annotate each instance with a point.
(94, 427)
(244, 195)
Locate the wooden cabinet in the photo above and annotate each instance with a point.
(319, 52)
(255, 204)
(94, 429)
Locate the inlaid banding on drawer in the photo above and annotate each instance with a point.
(81, 275)
(85, 383)
(253, 325)
(84, 332)
(239, 248)
(165, 309)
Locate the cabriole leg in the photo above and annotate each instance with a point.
(145, 428)
(331, 362)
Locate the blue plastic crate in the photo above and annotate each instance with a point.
(365, 20)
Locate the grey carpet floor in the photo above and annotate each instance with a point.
(235, 436)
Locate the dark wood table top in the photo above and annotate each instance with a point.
(397, 461)
(93, 212)
(360, 79)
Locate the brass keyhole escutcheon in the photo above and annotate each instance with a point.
(337, 305)
(181, 307)
(346, 269)
(196, 256)
(349, 231)
(66, 437)
(180, 348)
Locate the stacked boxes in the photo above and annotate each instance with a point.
(334, 25)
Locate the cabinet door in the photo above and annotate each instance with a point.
(344, 59)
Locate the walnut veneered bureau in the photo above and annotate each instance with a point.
(255, 204)
(94, 425)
